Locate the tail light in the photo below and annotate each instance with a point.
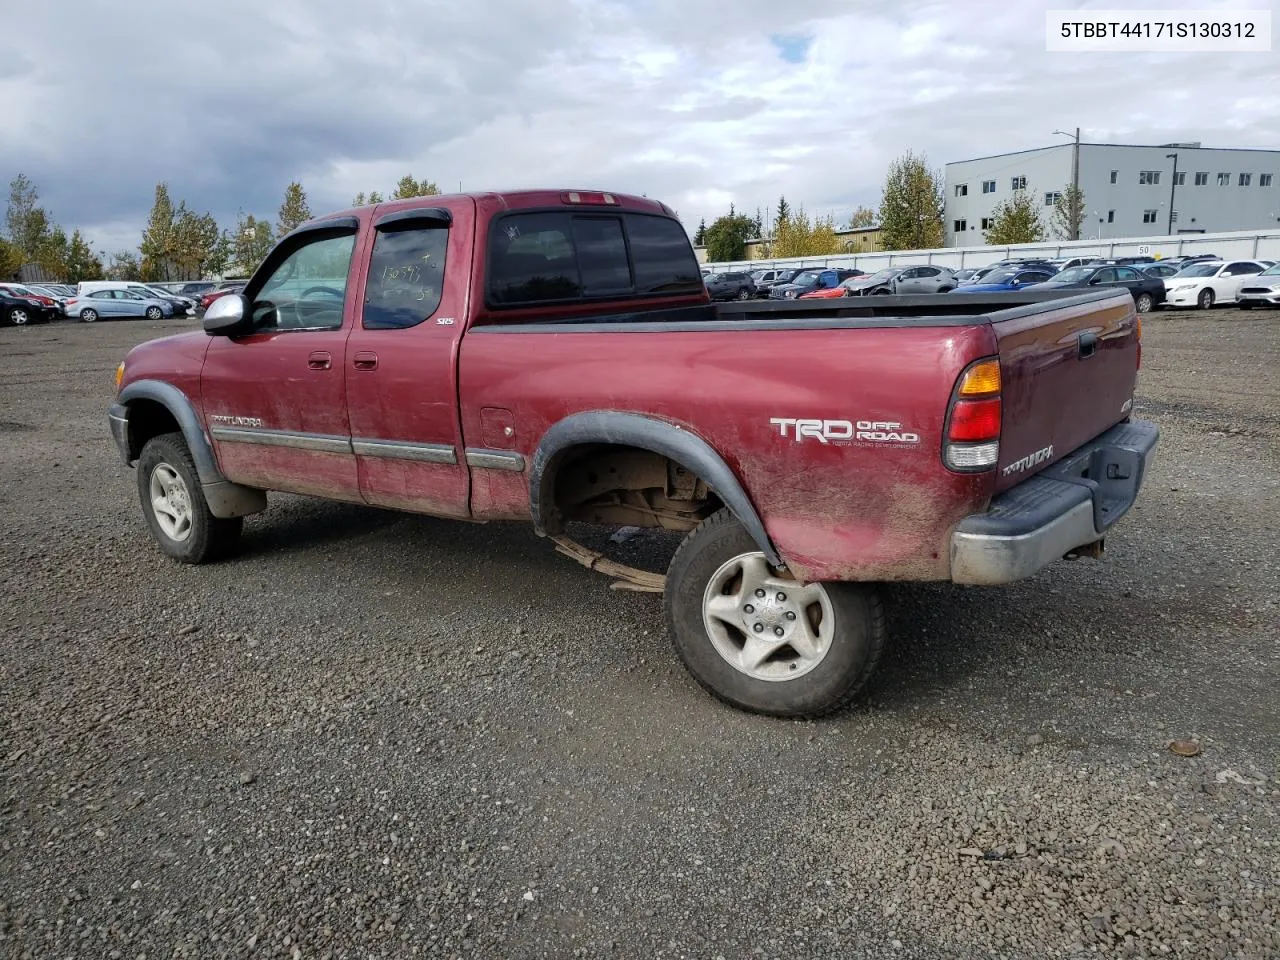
(972, 441)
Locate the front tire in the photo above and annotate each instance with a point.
(174, 505)
(19, 317)
(88, 315)
(1144, 303)
(1205, 300)
(154, 313)
(765, 642)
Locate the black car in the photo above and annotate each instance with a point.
(731, 286)
(810, 279)
(22, 312)
(196, 289)
(771, 277)
(1147, 291)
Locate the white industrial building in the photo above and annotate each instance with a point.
(1129, 190)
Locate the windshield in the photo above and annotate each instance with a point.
(807, 279)
(1200, 270)
(882, 275)
(1271, 271)
(1074, 275)
(1000, 276)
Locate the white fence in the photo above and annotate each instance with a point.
(1242, 244)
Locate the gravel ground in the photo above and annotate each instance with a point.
(374, 735)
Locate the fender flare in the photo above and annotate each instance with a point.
(645, 433)
(176, 402)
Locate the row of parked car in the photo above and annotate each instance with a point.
(26, 303)
(1199, 281)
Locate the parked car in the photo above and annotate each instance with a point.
(731, 286)
(880, 282)
(812, 278)
(795, 505)
(1162, 270)
(181, 304)
(966, 275)
(1260, 291)
(1067, 263)
(832, 293)
(1148, 292)
(1209, 282)
(221, 290)
(117, 302)
(1006, 279)
(21, 311)
(763, 279)
(196, 288)
(925, 278)
(22, 291)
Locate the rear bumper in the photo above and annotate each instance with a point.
(1066, 507)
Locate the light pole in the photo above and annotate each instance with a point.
(1172, 188)
(1075, 183)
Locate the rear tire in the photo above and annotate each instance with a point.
(174, 505)
(154, 313)
(1205, 300)
(763, 642)
(19, 317)
(1144, 303)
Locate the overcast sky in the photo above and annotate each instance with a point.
(693, 102)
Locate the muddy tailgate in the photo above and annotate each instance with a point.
(1067, 375)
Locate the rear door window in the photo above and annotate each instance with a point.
(560, 256)
(406, 277)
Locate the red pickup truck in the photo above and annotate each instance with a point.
(550, 357)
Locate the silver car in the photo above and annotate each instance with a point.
(1260, 291)
(925, 278)
(117, 303)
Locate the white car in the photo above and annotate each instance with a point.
(1262, 290)
(1208, 282)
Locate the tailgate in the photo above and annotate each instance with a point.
(1068, 373)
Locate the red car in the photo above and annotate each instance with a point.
(207, 298)
(552, 356)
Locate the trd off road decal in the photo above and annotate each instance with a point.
(844, 432)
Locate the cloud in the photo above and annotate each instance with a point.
(695, 104)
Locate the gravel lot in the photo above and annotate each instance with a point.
(374, 735)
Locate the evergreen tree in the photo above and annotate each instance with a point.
(912, 205)
(726, 238)
(293, 210)
(157, 239)
(1068, 213)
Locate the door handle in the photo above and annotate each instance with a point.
(1088, 343)
(365, 360)
(320, 360)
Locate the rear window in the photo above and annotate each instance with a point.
(558, 256)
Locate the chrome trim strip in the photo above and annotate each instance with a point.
(400, 450)
(495, 460)
(319, 442)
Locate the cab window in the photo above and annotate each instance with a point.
(406, 277)
(307, 289)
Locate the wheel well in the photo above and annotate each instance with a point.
(147, 419)
(622, 485)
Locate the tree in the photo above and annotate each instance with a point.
(124, 266)
(52, 254)
(796, 236)
(252, 242)
(1016, 220)
(194, 242)
(82, 262)
(408, 188)
(294, 210)
(912, 206)
(25, 222)
(11, 260)
(1068, 213)
(157, 239)
(727, 237)
(862, 217)
(784, 211)
(700, 238)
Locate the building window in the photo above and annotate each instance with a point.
(1115, 176)
(1245, 179)
(1264, 179)
(988, 186)
(962, 189)
(988, 223)
(1224, 179)
(1149, 216)
(1111, 216)
(1202, 179)
(960, 226)
(1018, 183)
(1051, 198)
(1180, 179)
(1149, 176)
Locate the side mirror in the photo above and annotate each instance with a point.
(227, 316)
